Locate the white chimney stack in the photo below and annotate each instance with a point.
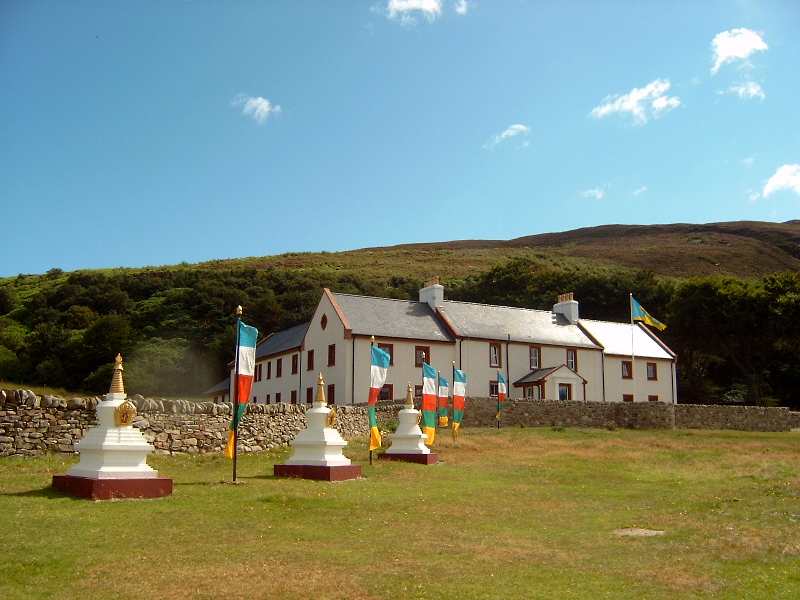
(432, 294)
(566, 306)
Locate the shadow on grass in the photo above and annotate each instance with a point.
(45, 492)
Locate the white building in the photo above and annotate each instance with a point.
(550, 355)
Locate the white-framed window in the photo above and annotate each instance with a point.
(565, 391)
(572, 359)
(494, 355)
(535, 357)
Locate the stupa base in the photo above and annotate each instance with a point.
(113, 489)
(420, 459)
(319, 473)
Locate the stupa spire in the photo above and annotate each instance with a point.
(117, 385)
(320, 390)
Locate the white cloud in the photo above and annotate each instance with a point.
(787, 177)
(753, 196)
(640, 190)
(510, 132)
(406, 10)
(594, 193)
(735, 44)
(256, 107)
(641, 103)
(747, 90)
(461, 7)
(748, 161)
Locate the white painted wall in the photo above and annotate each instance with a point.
(639, 386)
(318, 339)
(403, 371)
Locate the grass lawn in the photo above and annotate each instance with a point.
(520, 513)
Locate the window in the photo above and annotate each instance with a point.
(627, 397)
(269, 370)
(422, 354)
(627, 369)
(493, 389)
(652, 398)
(535, 357)
(255, 399)
(565, 391)
(332, 355)
(652, 371)
(532, 392)
(389, 349)
(309, 395)
(278, 367)
(277, 398)
(267, 398)
(295, 363)
(323, 322)
(417, 392)
(310, 360)
(331, 394)
(494, 355)
(572, 359)
(387, 392)
(257, 374)
(294, 396)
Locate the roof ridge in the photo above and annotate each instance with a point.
(376, 297)
(539, 310)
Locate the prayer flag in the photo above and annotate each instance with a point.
(377, 377)
(429, 403)
(245, 366)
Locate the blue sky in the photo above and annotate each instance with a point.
(157, 132)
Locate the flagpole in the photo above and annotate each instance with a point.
(236, 392)
(371, 344)
(452, 401)
(633, 358)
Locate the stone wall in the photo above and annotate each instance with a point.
(480, 412)
(31, 424)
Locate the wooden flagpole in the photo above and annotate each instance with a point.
(371, 344)
(236, 392)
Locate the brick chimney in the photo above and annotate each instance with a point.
(432, 293)
(567, 306)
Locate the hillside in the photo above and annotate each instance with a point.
(743, 248)
(173, 323)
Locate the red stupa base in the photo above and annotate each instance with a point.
(339, 473)
(113, 489)
(420, 459)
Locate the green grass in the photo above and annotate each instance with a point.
(520, 513)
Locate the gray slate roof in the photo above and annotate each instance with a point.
(540, 374)
(281, 341)
(523, 324)
(386, 317)
(222, 386)
(535, 375)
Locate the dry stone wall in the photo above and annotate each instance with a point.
(31, 424)
(481, 412)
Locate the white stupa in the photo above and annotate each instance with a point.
(408, 441)
(318, 448)
(113, 454)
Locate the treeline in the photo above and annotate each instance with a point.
(737, 340)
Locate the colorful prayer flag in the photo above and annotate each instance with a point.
(502, 391)
(444, 398)
(429, 403)
(640, 314)
(459, 392)
(379, 367)
(244, 368)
